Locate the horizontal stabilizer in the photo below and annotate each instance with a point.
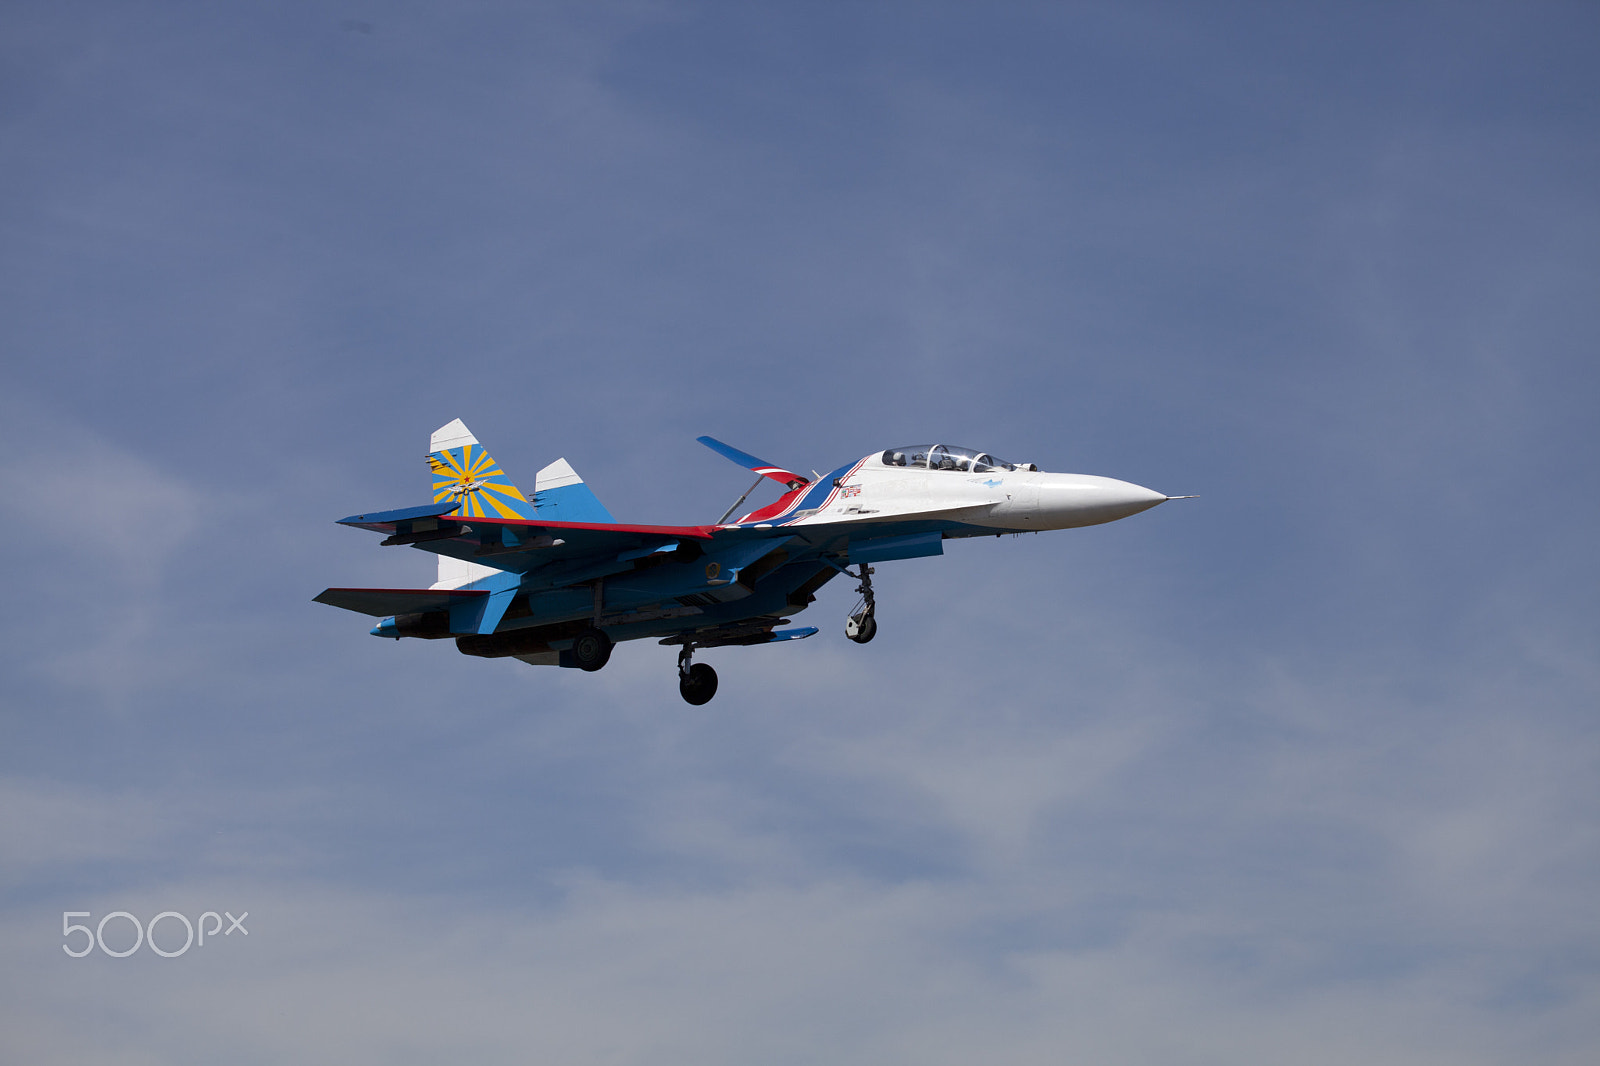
(388, 521)
(380, 603)
(414, 520)
(519, 546)
(788, 479)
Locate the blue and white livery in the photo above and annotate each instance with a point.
(555, 580)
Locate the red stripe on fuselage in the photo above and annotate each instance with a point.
(777, 510)
(703, 532)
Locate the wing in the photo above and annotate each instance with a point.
(873, 538)
(523, 546)
(381, 603)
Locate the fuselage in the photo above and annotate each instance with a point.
(553, 579)
(972, 491)
(901, 503)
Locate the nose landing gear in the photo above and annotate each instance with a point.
(697, 682)
(862, 625)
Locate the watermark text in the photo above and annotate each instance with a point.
(144, 935)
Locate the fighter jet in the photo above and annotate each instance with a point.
(554, 580)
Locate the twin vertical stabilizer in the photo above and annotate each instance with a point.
(464, 471)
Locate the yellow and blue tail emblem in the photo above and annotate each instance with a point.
(464, 471)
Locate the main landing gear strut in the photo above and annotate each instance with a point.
(861, 626)
(697, 682)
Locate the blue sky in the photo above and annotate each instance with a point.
(1303, 770)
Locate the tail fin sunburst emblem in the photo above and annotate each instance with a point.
(472, 477)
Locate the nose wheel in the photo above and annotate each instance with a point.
(862, 625)
(697, 682)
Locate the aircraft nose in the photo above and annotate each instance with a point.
(1086, 500)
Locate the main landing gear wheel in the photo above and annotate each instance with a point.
(698, 684)
(591, 649)
(862, 624)
(861, 627)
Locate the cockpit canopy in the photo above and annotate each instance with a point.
(947, 457)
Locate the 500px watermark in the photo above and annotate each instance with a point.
(146, 934)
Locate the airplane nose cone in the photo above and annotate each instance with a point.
(1129, 499)
(1085, 500)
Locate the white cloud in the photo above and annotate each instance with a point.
(48, 825)
(104, 528)
(840, 970)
